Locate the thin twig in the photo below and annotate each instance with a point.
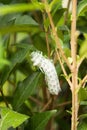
(79, 63)
(57, 41)
(56, 38)
(63, 69)
(46, 105)
(47, 43)
(83, 81)
(63, 104)
(35, 100)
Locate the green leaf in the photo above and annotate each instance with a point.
(4, 62)
(83, 49)
(11, 118)
(64, 124)
(25, 89)
(53, 3)
(18, 22)
(82, 7)
(21, 36)
(82, 126)
(6, 9)
(67, 52)
(82, 94)
(39, 120)
(5, 1)
(57, 16)
(82, 28)
(83, 103)
(82, 23)
(19, 28)
(39, 42)
(25, 20)
(18, 57)
(83, 116)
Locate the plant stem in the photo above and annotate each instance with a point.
(83, 81)
(47, 43)
(75, 103)
(57, 40)
(63, 69)
(35, 100)
(81, 60)
(55, 35)
(46, 105)
(62, 104)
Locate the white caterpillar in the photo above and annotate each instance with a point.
(47, 67)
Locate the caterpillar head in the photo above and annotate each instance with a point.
(36, 58)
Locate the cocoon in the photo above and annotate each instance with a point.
(47, 67)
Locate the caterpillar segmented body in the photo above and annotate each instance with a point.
(48, 68)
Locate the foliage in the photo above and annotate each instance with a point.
(25, 102)
(11, 118)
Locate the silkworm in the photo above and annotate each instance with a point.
(47, 67)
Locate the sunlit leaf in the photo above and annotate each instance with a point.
(19, 28)
(11, 118)
(82, 7)
(83, 48)
(6, 9)
(54, 3)
(82, 94)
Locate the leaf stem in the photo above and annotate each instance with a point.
(63, 104)
(57, 40)
(83, 81)
(35, 100)
(46, 105)
(81, 60)
(63, 69)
